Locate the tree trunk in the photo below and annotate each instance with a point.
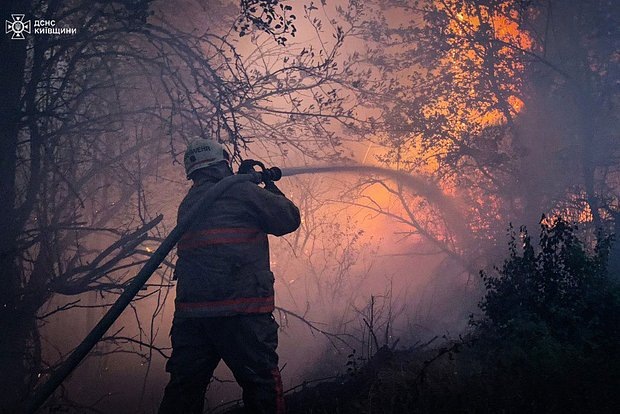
(15, 327)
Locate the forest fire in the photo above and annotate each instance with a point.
(485, 45)
(420, 144)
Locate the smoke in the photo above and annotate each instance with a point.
(349, 262)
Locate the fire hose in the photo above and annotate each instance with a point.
(42, 393)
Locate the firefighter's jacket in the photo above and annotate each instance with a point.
(223, 264)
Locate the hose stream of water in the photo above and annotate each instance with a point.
(449, 206)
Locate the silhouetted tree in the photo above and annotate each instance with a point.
(507, 104)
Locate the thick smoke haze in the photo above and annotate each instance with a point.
(411, 135)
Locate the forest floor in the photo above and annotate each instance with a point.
(452, 378)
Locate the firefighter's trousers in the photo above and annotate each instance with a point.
(246, 343)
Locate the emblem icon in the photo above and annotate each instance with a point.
(18, 26)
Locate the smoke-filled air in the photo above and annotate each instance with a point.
(314, 207)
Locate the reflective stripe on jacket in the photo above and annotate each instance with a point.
(223, 259)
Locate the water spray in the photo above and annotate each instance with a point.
(424, 187)
(450, 206)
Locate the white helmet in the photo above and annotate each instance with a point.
(203, 153)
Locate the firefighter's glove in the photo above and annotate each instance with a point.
(271, 187)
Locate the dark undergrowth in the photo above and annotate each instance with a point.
(547, 341)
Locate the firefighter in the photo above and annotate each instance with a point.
(225, 295)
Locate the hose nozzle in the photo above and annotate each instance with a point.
(267, 174)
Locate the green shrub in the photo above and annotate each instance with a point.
(550, 330)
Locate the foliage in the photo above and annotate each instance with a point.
(269, 16)
(496, 101)
(549, 334)
(560, 294)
